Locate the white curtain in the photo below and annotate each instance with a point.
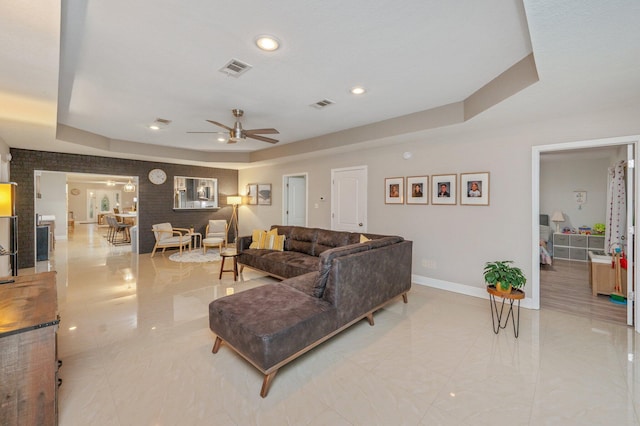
(616, 219)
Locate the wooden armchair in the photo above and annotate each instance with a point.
(170, 237)
(217, 228)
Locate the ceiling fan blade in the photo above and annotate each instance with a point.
(264, 131)
(219, 124)
(262, 138)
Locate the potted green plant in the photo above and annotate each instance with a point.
(504, 276)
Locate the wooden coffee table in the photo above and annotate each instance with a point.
(234, 255)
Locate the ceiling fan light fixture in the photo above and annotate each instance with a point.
(268, 43)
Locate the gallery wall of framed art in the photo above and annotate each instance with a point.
(441, 189)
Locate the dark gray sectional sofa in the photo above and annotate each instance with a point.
(331, 281)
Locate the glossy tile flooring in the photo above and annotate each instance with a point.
(136, 350)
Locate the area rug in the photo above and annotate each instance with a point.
(195, 256)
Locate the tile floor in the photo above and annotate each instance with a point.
(136, 350)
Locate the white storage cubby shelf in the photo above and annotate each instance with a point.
(576, 246)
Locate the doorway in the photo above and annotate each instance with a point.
(294, 199)
(349, 199)
(628, 147)
(69, 200)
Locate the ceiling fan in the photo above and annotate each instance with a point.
(237, 133)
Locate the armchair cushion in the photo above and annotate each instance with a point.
(173, 241)
(162, 231)
(217, 228)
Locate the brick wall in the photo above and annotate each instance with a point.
(155, 201)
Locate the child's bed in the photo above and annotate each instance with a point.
(546, 241)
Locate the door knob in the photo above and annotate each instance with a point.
(360, 224)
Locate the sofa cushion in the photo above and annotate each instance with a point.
(303, 240)
(326, 258)
(283, 264)
(269, 323)
(327, 239)
(303, 283)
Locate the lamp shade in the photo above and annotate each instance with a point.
(557, 216)
(234, 200)
(7, 199)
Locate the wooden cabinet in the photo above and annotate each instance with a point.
(576, 246)
(28, 358)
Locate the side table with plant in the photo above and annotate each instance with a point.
(504, 276)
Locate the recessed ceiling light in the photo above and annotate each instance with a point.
(267, 43)
(358, 90)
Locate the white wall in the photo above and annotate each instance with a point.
(559, 179)
(54, 200)
(456, 240)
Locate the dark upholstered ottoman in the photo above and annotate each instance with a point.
(267, 324)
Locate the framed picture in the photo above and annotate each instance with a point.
(443, 189)
(264, 194)
(418, 190)
(394, 190)
(474, 189)
(252, 194)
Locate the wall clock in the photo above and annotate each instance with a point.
(157, 176)
(75, 191)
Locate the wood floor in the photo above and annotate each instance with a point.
(564, 286)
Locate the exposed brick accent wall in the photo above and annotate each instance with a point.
(155, 201)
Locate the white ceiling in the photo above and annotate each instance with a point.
(123, 64)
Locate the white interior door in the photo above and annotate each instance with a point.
(295, 200)
(349, 199)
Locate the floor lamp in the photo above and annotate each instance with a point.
(234, 200)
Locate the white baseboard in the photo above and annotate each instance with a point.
(467, 290)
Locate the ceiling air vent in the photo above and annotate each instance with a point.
(235, 68)
(323, 103)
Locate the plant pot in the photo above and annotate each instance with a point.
(503, 287)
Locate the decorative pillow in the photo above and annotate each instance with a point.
(278, 243)
(257, 238)
(267, 240)
(363, 239)
(267, 243)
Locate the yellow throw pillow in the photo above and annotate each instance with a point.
(257, 238)
(270, 236)
(363, 239)
(267, 240)
(278, 243)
